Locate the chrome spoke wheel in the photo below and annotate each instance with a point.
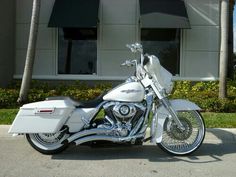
(178, 142)
(48, 143)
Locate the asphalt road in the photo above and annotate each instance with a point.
(216, 158)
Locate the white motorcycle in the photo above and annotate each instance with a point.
(176, 126)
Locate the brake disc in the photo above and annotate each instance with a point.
(176, 133)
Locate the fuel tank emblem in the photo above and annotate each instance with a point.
(131, 91)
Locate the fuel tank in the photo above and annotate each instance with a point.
(127, 92)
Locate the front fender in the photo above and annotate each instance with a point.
(161, 115)
(183, 105)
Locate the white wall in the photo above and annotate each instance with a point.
(45, 61)
(200, 49)
(118, 26)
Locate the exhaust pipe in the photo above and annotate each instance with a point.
(86, 133)
(107, 138)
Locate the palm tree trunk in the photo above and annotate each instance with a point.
(231, 41)
(224, 48)
(31, 50)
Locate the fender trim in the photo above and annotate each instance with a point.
(184, 105)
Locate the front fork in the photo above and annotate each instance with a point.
(166, 103)
(173, 115)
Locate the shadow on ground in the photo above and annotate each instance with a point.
(208, 152)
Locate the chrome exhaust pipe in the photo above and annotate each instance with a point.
(107, 138)
(86, 133)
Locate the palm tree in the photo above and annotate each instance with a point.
(31, 50)
(224, 48)
(231, 41)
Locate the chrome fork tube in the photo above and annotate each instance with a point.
(166, 103)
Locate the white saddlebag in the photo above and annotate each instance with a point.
(42, 117)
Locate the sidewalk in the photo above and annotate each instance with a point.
(216, 135)
(215, 158)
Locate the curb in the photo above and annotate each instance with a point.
(216, 135)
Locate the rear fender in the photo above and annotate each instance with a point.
(162, 114)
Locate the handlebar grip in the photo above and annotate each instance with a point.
(123, 64)
(129, 63)
(129, 46)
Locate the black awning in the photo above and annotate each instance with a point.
(74, 13)
(163, 14)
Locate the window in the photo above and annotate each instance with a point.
(77, 51)
(165, 44)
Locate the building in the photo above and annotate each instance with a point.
(85, 39)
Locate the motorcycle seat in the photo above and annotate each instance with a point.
(81, 104)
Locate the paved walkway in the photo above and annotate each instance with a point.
(215, 158)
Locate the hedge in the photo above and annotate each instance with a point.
(205, 94)
(40, 91)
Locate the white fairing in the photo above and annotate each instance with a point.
(159, 73)
(162, 114)
(128, 92)
(42, 117)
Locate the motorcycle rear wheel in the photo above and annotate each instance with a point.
(177, 142)
(48, 143)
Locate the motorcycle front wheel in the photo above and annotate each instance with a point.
(178, 142)
(48, 143)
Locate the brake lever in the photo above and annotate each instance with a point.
(123, 64)
(128, 63)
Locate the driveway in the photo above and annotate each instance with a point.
(216, 158)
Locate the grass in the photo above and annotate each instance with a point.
(220, 120)
(7, 116)
(212, 120)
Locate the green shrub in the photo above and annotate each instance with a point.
(40, 91)
(205, 94)
(8, 98)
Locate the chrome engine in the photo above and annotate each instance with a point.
(124, 111)
(123, 118)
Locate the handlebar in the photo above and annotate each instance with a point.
(141, 71)
(135, 47)
(139, 66)
(129, 63)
